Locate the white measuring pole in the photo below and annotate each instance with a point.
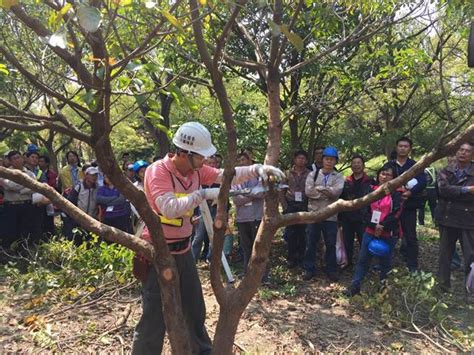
(207, 218)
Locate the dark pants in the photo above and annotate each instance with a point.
(365, 257)
(48, 225)
(296, 236)
(247, 234)
(37, 214)
(123, 223)
(17, 219)
(150, 330)
(350, 230)
(72, 231)
(329, 230)
(432, 203)
(410, 243)
(447, 246)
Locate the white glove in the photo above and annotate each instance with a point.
(411, 184)
(209, 194)
(268, 170)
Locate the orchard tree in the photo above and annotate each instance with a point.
(86, 46)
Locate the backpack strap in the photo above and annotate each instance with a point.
(316, 174)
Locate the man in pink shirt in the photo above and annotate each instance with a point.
(173, 190)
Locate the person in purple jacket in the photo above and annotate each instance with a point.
(116, 209)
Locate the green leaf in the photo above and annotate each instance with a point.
(89, 18)
(173, 20)
(3, 69)
(276, 30)
(123, 2)
(62, 12)
(7, 4)
(294, 39)
(140, 99)
(164, 129)
(152, 115)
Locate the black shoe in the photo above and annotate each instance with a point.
(308, 275)
(266, 281)
(291, 264)
(351, 291)
(333, 276)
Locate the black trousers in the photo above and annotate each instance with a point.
(150, 330)
(123, 223)
(432, 203)
(37, 214)
(296, 236)
(410, 240)
(447, 244)
(247, 234)
(350, 230)
(17, 222)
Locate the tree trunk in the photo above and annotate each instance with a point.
(226, 328)
(51, 154)
(295, 82)
(312, 134)
(163, 140)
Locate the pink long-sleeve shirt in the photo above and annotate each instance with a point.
(174, 196)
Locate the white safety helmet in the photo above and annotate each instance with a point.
(195, 138)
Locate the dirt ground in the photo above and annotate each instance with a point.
(313, 317)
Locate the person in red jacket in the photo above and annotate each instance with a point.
(382, 225)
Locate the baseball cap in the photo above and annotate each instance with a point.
(92, 170)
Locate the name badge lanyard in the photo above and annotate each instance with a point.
(326, 179)
(376, 214)
(298, 180)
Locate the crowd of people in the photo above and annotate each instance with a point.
(177, 183)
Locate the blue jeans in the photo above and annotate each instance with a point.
(365, 257)
(329, 231)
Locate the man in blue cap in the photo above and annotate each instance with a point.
(323, 187)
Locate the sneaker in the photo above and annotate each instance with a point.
(308, 275)
(351, 291)
(333, 276)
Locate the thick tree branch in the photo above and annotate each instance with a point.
(37, 83)
(13, 123)
(221, 41)
(438, 152)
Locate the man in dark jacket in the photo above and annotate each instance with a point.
(293, 199)
(353, 224)
(455, 212)
(413, 197)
